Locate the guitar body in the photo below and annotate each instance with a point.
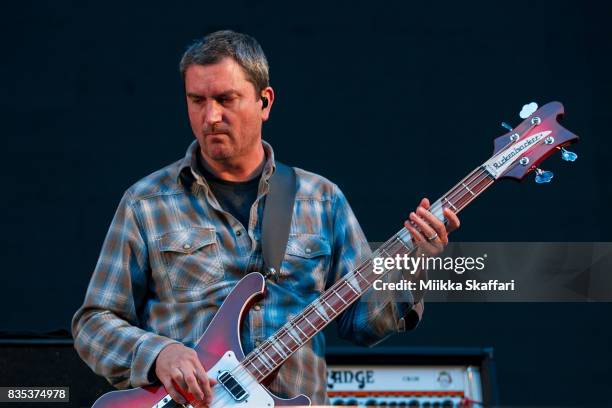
(517, 153)
(219, 349)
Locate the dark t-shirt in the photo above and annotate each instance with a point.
(235, 197)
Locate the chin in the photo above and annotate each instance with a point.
(219, 152)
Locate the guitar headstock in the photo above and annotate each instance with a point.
(523, 148)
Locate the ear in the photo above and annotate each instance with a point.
(267, 93)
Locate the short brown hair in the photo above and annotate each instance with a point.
(244, 49)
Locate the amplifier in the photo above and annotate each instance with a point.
(411, 377)
(380, 377)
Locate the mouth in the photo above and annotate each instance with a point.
(216, 137)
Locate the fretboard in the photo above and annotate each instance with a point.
(266, 358)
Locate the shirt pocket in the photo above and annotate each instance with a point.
(306, 263)
(191, 258)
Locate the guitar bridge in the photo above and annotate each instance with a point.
(232, 386)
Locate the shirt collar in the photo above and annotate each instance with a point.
(188, 172)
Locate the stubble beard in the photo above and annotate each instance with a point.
(229, 150)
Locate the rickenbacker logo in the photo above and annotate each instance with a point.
(516, 150)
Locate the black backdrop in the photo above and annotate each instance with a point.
(391, 101)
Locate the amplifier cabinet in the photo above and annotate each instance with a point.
(411, 377)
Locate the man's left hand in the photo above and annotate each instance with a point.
(428, 232)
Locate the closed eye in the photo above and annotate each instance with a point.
(226, 99)
(197, 99)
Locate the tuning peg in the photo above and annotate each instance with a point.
(543, 176)
(567, 155)
(528, 110)
(506, 126)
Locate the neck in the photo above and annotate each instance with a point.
(266, 358)
(238, 169)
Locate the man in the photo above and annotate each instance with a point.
(183, 236)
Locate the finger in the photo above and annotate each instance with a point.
(174, 394)
(168, 383)
(205, 384)
(420, 240)
(415, 234)
(200, 371)
(178, 382)
(453, 220)
(424, 203)
(423, 226)
(208, 391)
(435, 223)
(192, 383)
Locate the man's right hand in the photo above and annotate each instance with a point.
(177, 364)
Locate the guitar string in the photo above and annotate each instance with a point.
(285, 329)
(476, 179)
(451, 197)
(303, 315)
(295, 322)
(245, 377)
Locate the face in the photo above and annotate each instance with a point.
(224, 110)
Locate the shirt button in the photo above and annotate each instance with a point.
(238, 233)
(257, 307)
(187, 246)
(257, 343)
(308, 250)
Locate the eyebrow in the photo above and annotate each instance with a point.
(229, 92)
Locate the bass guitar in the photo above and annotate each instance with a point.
(241, 378)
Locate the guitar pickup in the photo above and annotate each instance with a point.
(232, 386)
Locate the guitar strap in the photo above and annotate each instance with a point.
(278, 211)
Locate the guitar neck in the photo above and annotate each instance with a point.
(272, 353)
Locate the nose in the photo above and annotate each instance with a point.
(212, 113)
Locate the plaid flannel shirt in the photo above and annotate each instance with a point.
(172, 255)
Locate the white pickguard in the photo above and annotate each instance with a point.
(258, 396)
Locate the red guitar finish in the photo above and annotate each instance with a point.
(222, 335)
(516, 154)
